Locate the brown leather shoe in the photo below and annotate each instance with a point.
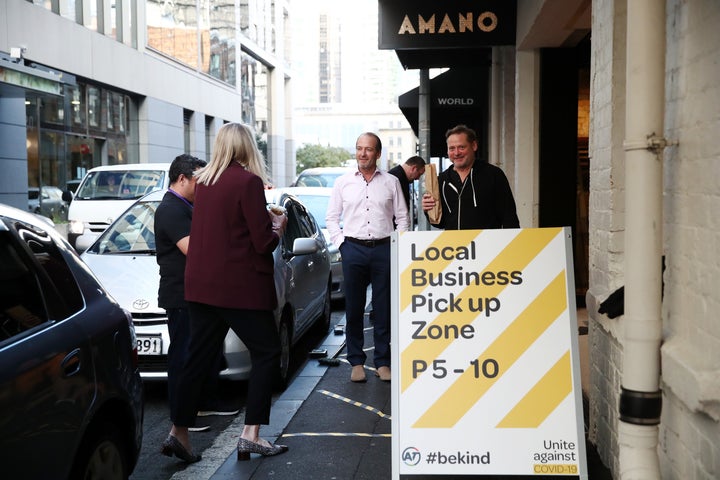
(358, 374)
(384, 373)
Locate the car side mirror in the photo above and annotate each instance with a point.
(303, 246)
(67, 196)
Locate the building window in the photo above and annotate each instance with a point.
(217, 33)
(209, 138)
(199, 34)
(187, 116)
(173, 30)
(67, 135)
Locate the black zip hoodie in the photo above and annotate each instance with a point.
(483, 201)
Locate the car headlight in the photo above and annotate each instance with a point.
(335, 256)
(77, 227)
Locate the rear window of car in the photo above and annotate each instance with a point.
(36, 283)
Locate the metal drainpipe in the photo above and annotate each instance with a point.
(640, 398)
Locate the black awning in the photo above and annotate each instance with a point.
(457, 96)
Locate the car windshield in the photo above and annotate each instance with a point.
(317, 205)
(119, 184)
(133, 232)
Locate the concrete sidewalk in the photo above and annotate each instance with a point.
(335, 429)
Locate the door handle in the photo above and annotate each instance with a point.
(71, 363)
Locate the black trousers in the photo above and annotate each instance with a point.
(208, 327)
(179, 331)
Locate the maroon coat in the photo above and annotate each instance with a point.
(229, 260)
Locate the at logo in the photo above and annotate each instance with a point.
(411, 456)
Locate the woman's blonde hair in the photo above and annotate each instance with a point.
(235, 142)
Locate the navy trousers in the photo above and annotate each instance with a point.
(363, 266)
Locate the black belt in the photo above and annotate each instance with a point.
(369, 243)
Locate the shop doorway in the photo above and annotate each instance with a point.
(564, 164)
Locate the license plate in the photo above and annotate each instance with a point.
(149, 344)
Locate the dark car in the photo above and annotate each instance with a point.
(71, 398)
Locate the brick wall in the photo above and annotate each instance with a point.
(689, 439)
(690, 432)
(606, 218)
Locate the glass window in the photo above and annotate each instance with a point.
(111, 25)
(307, 228)
(117, 151)
(134, 232)
(52, 113)
(172, 28)
(122, 113)
(36, 284)
(217, 31)
(293, 229)
(122, 184)
(254, 79)
(68, 9)
(317, 206)
(110, 122)
(94, 107)
(76, 96)
(21, 303)
(57, 282)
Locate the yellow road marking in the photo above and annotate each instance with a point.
(356, 404)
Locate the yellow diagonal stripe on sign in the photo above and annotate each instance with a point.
(505, 350)
(460, 238)
(515, 256)
(543, 398)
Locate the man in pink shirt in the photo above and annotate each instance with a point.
(367, 200)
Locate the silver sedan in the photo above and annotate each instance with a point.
(123, 258)
(316, 200)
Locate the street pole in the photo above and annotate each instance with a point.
(423, 139)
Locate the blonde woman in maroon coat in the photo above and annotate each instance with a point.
(229, 284)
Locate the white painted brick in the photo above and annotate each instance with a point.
(689, 436)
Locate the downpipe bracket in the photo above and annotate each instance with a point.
(652, 143)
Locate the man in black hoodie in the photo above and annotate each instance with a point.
(474, 195)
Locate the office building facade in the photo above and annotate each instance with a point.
(96, 82)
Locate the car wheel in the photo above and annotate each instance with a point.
(284, 333)
(101, 456)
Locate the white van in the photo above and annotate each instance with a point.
(105, 193)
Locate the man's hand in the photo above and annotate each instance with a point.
(428, 202)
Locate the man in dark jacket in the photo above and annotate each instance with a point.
(407, 173)
(473, 194)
